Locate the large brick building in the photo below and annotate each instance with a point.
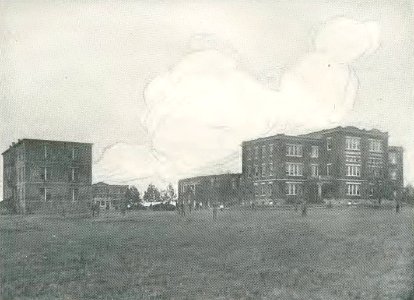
(109, 196)
(47, 175)
(340, 163)
(206, 190)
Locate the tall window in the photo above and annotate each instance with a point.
(263, 151)
(45, 194)
(328, 143)
(45, 173)
(256, 152)
(263, 170)
(315, 152)
(294, 169)
(294, 150)
(74, 174)
(249, 172)
(353, 143)
(315, 170)
(248, 153)
(75, 195)
(293, 188)
(75, 153)
(45, 151)
(393, 174)
(256, 171)
(270, 149)
(353, 170)
(263, 189)
(392, 158)
(375, 145)
(353, 189)
(271, 169)
(328, 169)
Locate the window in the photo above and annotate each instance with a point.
(353, 143)
(269, 189)
(263, 189)
(315, 170)
(45, 151)
(249, 172)
(294, 169)
(315, 152)
(353, 189)
(374, 171)
(75, 195)
(353, 170)
(329, 143)
(248, 153)
(393, 174)
(371, 190)
(74, 176)
(270, 149)
(293, 188)
(271, 169)
(75, 153)
(263, 150)
(294, 150)
(45, 173)
(263, 170)
(45, 194)
(392, 158)
(256, 171)
(256, 152)
(375, 145)
(328, 169)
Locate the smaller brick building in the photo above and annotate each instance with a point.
(205, 190)
(108, 196)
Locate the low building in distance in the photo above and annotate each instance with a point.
(339, 163)
(204, 191)
(107, 195)
(49, 176)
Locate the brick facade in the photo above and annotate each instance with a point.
(109, 196)
(47, 175)
(205, 190)
(340, 163)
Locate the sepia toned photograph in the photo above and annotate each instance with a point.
(206, 149)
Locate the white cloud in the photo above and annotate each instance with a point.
(199, 112)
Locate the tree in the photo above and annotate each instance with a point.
(408, 194)
(132, 195)
(152, 194)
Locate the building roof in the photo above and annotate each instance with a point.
(21, 141)
(351, 129)
(281, 137)
(101, 183)
(210, 176)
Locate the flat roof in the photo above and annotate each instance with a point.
(208, 176)
(21, 141)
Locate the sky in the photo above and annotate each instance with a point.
(170, 89)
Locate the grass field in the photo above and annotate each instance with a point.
(273, 254)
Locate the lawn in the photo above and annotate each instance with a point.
(270, 254)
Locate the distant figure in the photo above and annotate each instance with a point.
(182, 209)
(215, 211)
(304, 208)
(397, 207)
(95, 209)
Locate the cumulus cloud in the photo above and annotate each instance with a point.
(198, 113)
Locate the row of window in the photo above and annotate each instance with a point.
(295, 150)
(352, 143)
(296, 188)
(46, 194)
(291, 169)
(46, 174)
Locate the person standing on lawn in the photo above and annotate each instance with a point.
(215, 211)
